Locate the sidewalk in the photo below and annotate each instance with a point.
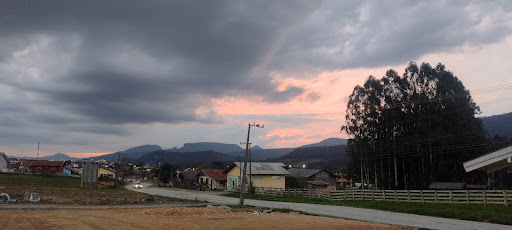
(361, 214)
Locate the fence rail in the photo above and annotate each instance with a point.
(503, 197)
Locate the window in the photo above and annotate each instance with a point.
(276, 177)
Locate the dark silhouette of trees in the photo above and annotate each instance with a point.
(407, 131)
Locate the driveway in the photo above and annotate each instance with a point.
(361, 214)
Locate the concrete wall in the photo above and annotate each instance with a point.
(272, 181)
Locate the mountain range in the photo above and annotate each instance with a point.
(54, 157)
(498, 125)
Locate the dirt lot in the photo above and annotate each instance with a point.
(66, 190)
(170, 218)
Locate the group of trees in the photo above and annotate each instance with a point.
(410, 130)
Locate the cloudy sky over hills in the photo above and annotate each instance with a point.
(101, 76)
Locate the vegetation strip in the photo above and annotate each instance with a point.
(498, 214)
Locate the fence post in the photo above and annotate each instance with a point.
(344, 195)
(362, 193)
(435, 197)
(329, 195)
(485, 200)
(408, 196)
(384, 194)
(396, 197)
(505, 197)
(353, 195)
(450, 193)
(309, 193)
(373, 197)
(467, 197)
(422, 196)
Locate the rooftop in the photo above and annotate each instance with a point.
(262, 168)
(216, 174)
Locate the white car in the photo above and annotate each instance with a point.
(137, 185)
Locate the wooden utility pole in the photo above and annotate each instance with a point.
(244, 179)
(250, 165)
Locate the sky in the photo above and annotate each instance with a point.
(93, 77)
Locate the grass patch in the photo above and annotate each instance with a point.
(43, 180)
(499, 214)
(66, 190)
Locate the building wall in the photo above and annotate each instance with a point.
(212, 183)
(233, 178)
(102, 171)
(47, 169)
(272, 181)
(325, 176)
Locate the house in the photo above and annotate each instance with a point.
(304, 175)
(4, 162)
(262, 174)
(106, 172)
(499, 160)
(70, 171)
(189, 175)
(44, 167)
(213, 178)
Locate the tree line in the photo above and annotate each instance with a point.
(410, 130)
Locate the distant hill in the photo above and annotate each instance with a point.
(132, 153)
(328, 142)
(186, 158)
(259, 154)
(498, 124)
(207, 146)
(328, 157)
(55, 157)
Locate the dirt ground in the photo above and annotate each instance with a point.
(171, 218)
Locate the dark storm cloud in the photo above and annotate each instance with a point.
(203, 50)
(119, 62)
(378, 33)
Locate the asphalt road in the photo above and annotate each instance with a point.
(361, 214)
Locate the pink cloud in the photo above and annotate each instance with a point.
(84, 155)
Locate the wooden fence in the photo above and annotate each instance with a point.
(503, 197)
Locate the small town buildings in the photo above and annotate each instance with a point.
(189, 175)
(213, 178)
(70, 171)
(262, 174)
(43, 167)
(106, 173)
(4, 162)
(305, 175)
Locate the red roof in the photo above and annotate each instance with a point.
(216, 174)
(46, 163)
(72, 169)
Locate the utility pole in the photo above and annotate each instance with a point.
(159, 166)
(244, 179)
(250, 164)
